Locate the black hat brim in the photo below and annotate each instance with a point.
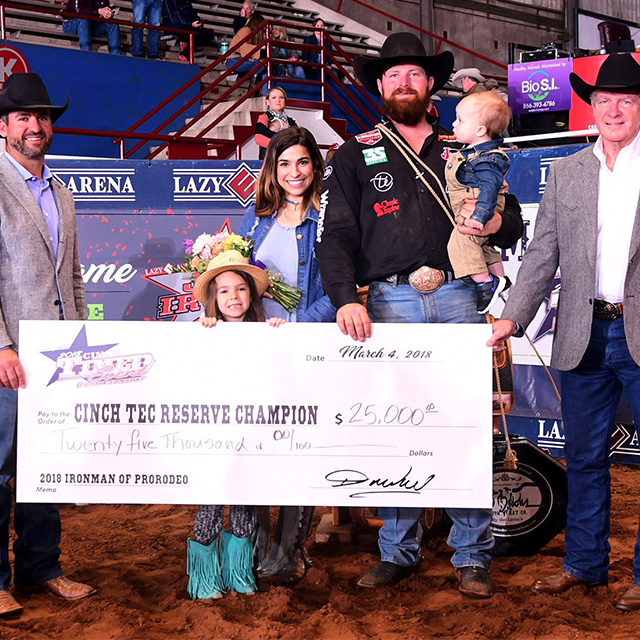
(619, 73)
(584, 90)
(369, 70)
(7, 106)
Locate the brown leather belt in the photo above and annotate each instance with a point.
(604, 310)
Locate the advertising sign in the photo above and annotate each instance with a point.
(541, 85)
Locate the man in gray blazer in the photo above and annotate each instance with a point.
(40, 279)
(588, 225)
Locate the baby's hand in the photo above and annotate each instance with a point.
(209, 322)
(474, 224)
(275, 322)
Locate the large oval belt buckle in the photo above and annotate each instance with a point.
(426, 279)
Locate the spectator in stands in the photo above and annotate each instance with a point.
(315, 38)
(180, 14)
(243, 49)
(275, 119)
(288, 68)
(246, 12)
(87, 29)
(469, 80)
(472, 81)
(146, 12)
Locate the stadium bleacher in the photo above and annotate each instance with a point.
(46, 29)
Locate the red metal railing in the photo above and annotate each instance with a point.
(68, 15)
(266, 64)
(334, 55)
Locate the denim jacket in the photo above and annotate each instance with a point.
(481, 167)
(314, 305)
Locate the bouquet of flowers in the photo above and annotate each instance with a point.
(199, 252)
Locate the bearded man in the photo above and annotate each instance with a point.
(386, 221)
(40, 279)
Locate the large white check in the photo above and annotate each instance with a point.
(175, 413)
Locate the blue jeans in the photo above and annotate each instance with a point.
(400, 536)
(37, 526)
(292, 70)
(149, 12)
(86, 30)
(246, 67)
(590, 395)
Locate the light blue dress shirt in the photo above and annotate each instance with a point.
(45, 197)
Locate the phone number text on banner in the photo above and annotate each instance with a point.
(174, 413)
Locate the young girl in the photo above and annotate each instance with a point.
(230, 291)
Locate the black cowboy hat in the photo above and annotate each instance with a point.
(27, 91)
(619, 73)
(401, 48)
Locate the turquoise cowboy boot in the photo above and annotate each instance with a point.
(203, 567)
(237, 563)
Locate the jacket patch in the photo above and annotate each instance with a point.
(369, 137)
(374, 156)
(382, 181)
(446, 152)
(386, 206)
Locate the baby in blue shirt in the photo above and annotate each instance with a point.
(478, 172)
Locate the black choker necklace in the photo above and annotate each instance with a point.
(295, 204)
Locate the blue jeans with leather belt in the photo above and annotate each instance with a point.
(470, 534)
(37, 526)
(590, 396)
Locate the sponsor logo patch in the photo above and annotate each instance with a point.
(327, 172)
(374, 156)
(446, 152)
(369, 137)
(386, 206)
(382, 181)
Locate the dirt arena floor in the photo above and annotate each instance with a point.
(135, 556)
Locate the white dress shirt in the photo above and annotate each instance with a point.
(618, 193)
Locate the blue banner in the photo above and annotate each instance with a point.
(133, 217)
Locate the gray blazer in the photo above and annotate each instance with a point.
(566, 236)
(32, 281)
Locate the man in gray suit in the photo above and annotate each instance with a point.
(588, 225)
(40, 279)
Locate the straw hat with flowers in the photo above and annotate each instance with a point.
(231, 260)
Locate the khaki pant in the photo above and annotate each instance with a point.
(470, 254)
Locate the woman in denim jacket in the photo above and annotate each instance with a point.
(284, 220)
(283, 224)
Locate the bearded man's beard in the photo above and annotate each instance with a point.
(407, 111)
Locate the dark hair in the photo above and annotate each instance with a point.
(253, 23)
(269, 194)
(254, 312)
